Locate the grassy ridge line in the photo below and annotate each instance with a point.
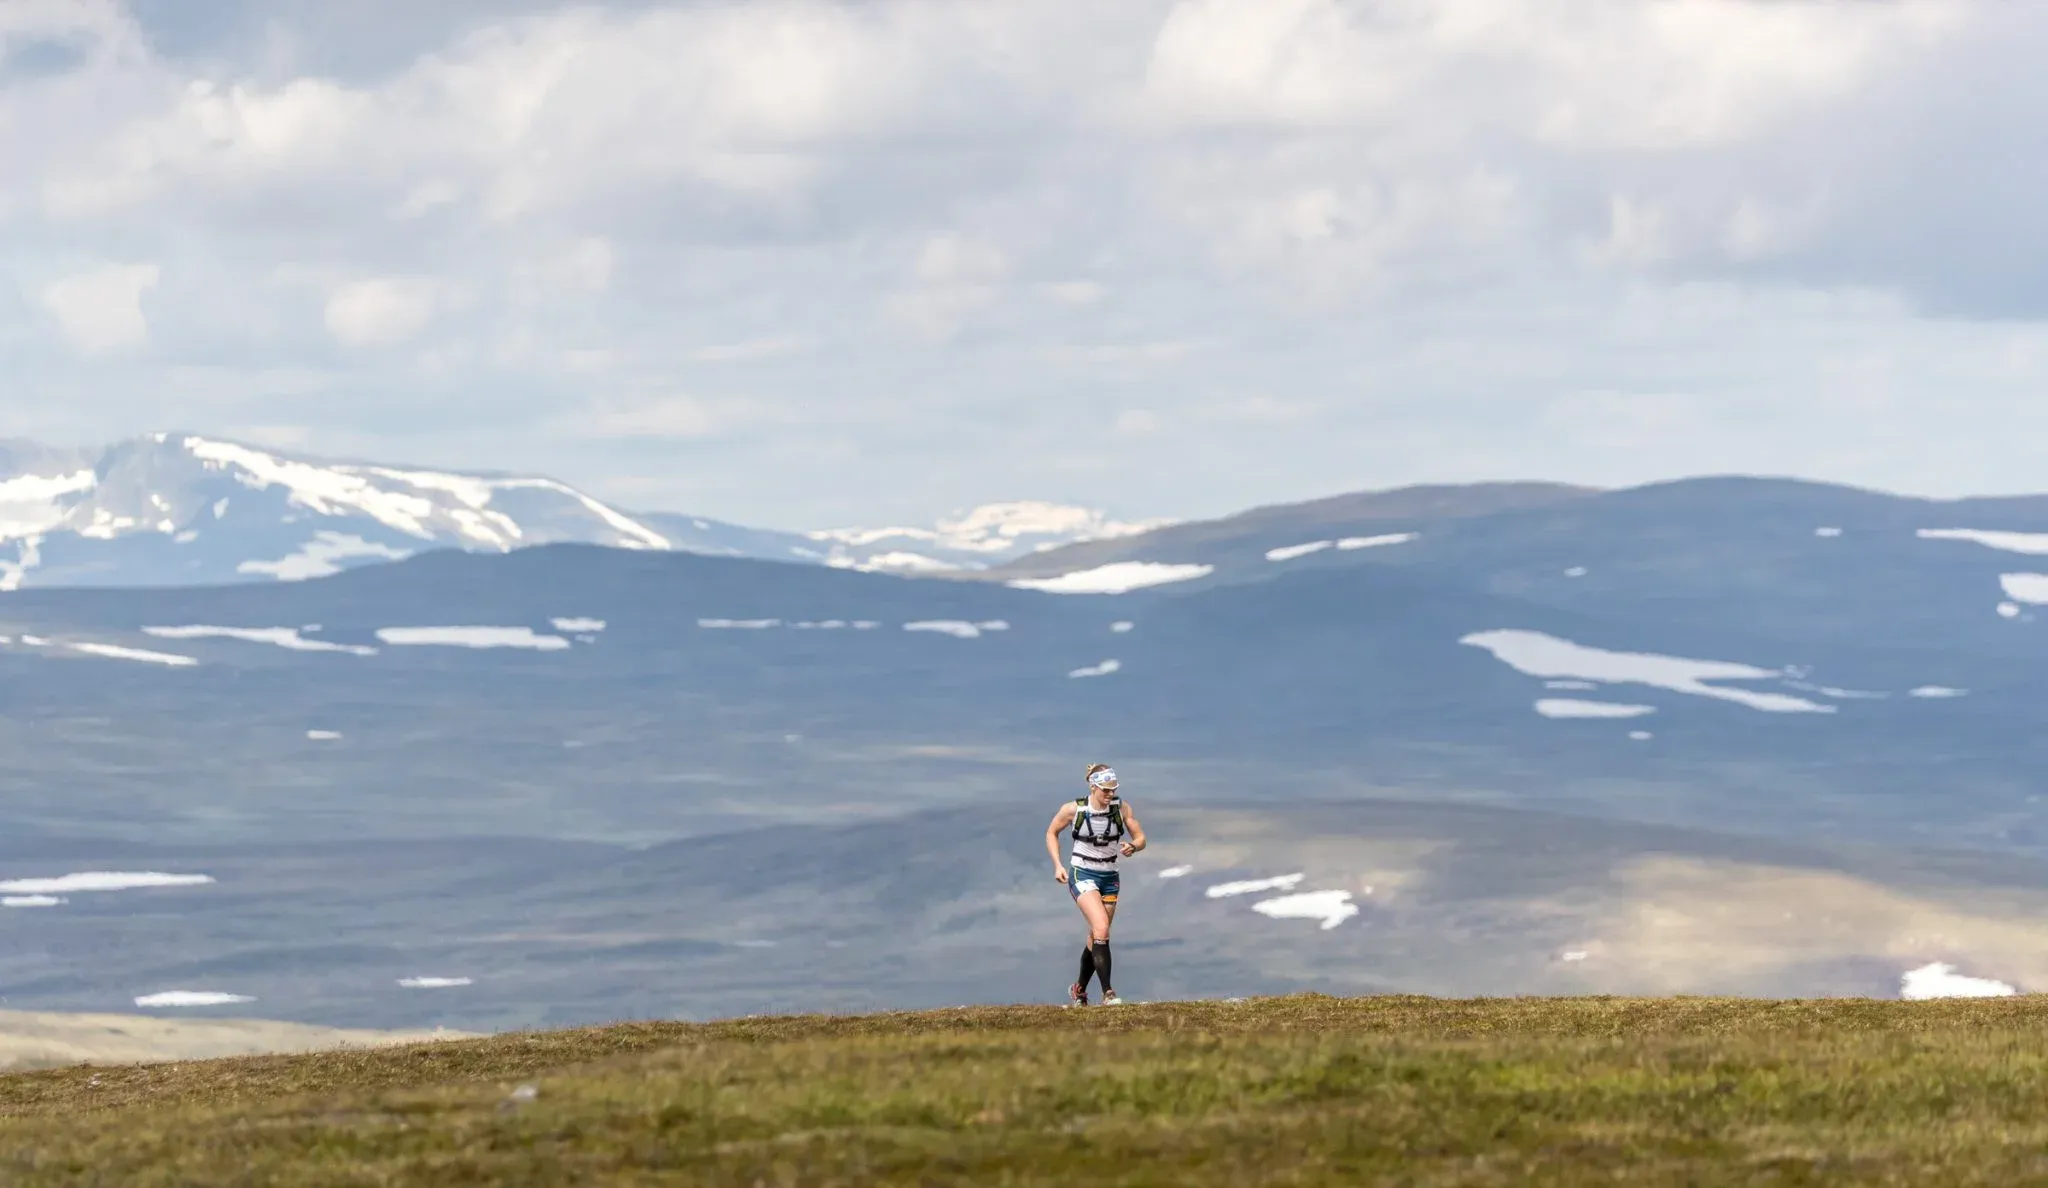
(1307, 1090)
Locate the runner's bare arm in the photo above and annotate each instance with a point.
(1060, 821)
(1137, 841)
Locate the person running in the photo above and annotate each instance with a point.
(1100, 823)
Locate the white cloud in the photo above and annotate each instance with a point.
(1137, 422)
(100, 310)
(1421, 239)
(751, 350)
(1627, 420)
(381, 311)
(1076, 293)
(659, 416)
(955, 276)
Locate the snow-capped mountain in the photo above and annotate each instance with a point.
(178, 509)
(173, 509)
(977, 538)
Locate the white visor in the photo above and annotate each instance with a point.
(1103, 778)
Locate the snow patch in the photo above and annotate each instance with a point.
(1253, 886)
(105, 525)
(31, 901)
(2029, 543)
(1121, 626)
(1936, 692)
(471, 637)
(1827, 533)
(28, 555)
(2029, 588)
(738, 624)
(636, 534)
(999, 528)
(1176, 872)
(1568, 708)
(1290, 552)
(1839, 694)
(1940, 980)
(37, 488)
(1640, 735)
(1581, 686)
(896, 562)
(2008, 610)
(190, 998)
(1576, 571)
(433, 983)
(101, 880)
(283, 637)
(323, 735)
(116, 652)
(1376, 542)
(1116, 578)
(954, 627)
(1330, 907)
(327, 491)
(578, 626)
(318, 557)
(29, 503)
(1102, 669)
(1540, 655)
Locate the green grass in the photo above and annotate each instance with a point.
(1306, 1090)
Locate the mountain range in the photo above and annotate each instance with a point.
(179, 509)
(1726, 735)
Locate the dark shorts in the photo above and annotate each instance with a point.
(1103, 882)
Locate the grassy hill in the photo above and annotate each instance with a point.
(1306, 1090)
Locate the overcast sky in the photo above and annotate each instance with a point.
(808, 263)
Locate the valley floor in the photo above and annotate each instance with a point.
(1303, 1090)
(49, 1039)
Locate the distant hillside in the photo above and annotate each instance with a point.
(1337, 515)
(1681, 703)
(175, 509)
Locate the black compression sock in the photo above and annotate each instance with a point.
(1101, 955)
(1087, 967)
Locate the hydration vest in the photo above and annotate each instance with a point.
(1115, 831)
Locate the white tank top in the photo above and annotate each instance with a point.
(1094, 822)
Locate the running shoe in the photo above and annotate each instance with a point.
(1109, 998)
(1077, 995)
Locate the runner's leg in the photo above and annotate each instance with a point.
(1091, 905)
(1100, 937)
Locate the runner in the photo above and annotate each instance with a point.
(1099, 821)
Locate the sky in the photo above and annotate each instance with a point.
(802, 263)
